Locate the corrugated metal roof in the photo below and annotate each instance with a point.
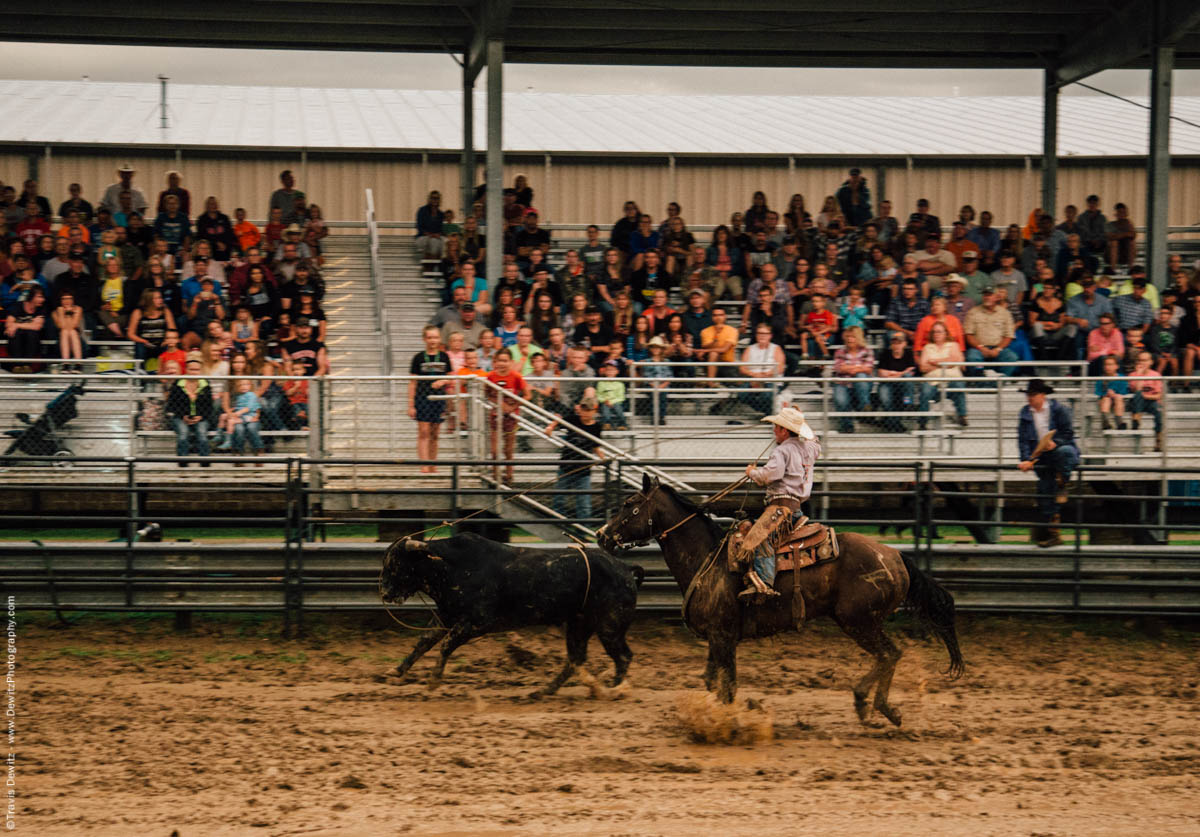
(299, 117)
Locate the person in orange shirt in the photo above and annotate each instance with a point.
(960, 245)
(72, 223)
(470, 367)
(247, 234)
(938, 314)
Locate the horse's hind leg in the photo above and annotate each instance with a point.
(872, 639)
(891, 656)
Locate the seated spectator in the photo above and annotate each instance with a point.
(593, 252)
(761, 359)
(1052, 335)
(32, 227)
(774, 314)
(522, 351)
(1133, 310)
(906, 311)
(451, 314)
(315, 230)
(508, 327)
(306, 351)
(295, 391)
(206, 307)
(430, 241)
(23, 327)
(68, 320)
(1134, 346)
(73, 230)
(1008, 279)
(190, 407)
(1162, 341)
(477, 290)
(530, 237)
(719, 343)
(543, 316)
(543, 383)
(610, 393)
(612, 278)
(728, 261)
(938, 313)
(659, 312)
(676, 245)
(896, 363)
(658, 373)
(148, 325)
(1121, 235)
(1111, 393)
(248, 235)
(170, 351)
(637, 344)
(622, 315)
(174, 187)
(1084, 310)
(541, 283)
(852, 360)
(957, 304)
(261, 301)
(487, 348)
(293, 240)
(614, 351)
(648, 278)
(243, 328)
(818, 328)
(989, 330)
(1147, 388)
(196, 274)
(594, 332)
(935, 262)
(467, 324)
(214, 226)
(273, 234)
(942, 350)
(573, 278)
(306, 307)
(1103, 341)
(511, 281)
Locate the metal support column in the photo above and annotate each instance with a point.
(1050, 144)
(1158, 168)
(495, 158)
(466, 177)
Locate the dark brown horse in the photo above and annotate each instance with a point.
(858, 590)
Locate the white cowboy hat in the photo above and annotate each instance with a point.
(792, 419)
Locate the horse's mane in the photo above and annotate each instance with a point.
(693, 507)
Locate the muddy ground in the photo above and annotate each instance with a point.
(1058, 728)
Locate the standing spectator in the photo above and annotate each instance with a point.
(190, 406)
(502, 421)
(174, 187)
(611, 394)
(852, 360)
(854, 199)
(624, 228)
(284, 199)
(76, 203)
(429, 414)
(1093, 227)
(173, 226)
(1111, 392)
(1046, 440)
(215, 227)
(592, 253)
(573, 476)
(938, 351)
(1133, 310)
(906, 311)
(896, 363)
(112, 195)
(756, 216)
(23, 326)
(989, 331)
(1121, 236)
(1147, 388)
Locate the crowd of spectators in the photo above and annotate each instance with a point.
(179, 292)
(851, 286)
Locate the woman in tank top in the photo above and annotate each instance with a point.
(941, 349)
(149, 323)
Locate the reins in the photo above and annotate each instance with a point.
(724, 492)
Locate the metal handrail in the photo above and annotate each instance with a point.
(385, 335)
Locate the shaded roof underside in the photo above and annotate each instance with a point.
(797, 33)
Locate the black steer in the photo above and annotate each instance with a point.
(480, 587)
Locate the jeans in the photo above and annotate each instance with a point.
(894, 394)
(813, 349)
(931, 393)
(143, 352)
(579, 481)
(1140, 404)
(1058, 462)
(1005, 356)
(851, 397)
(613, 415)
(195, 434)
(764, 555)
(245, 431)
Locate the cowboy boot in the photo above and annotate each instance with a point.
(1061, 484)
(1037, 534)
(1053, 536)
(1158, 442)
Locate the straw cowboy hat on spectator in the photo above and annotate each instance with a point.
(792, 419)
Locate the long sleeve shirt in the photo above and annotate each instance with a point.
(789, 470)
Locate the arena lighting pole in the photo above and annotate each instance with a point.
(1050, 143)
(1158, 169)
(495, 158)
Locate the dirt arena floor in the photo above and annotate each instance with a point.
(1057, 728)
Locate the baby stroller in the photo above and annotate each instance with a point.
(40, 437)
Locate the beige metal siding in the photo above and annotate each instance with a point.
(580, 191)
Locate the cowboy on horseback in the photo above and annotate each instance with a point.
(787, 478)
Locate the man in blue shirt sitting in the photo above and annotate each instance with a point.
(1046, 440)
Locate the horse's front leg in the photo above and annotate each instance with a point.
(710, 670)
(724, 651)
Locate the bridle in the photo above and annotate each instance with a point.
(662, 536)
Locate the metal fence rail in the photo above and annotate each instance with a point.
(299, 565)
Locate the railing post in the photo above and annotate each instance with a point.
(130, 527)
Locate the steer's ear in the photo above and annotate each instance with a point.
(646, 483)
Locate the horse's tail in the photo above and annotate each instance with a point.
(935, 606)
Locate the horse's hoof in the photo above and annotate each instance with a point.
(538, 694)
(862, 708)
(891, 714)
